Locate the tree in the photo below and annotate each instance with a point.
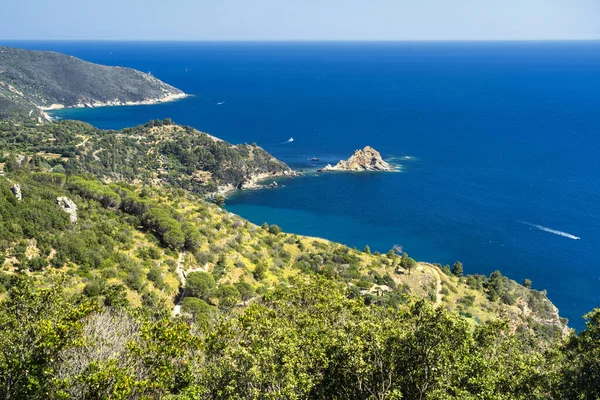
(115, 296)
(527, 283)
(174, 238)
(457, 269)
(220, 266)
(219, 200)
(193, 238)
(37, 323)
(199, 284)
(410, 264)
(274, 229)
(580, 366)
(367, 249)
(228, 296)
(200, 310)
(407, 263)
(259, 271)
(246, 291)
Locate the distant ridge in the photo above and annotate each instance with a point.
(33, 81)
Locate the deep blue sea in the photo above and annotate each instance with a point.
(500, 137)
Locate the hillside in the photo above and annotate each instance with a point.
(264, 313)
(157, 153)
(31, 81)
(132, 235)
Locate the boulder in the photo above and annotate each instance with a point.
(16, 189)
(68, 206)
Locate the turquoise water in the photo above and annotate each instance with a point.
(502, 139)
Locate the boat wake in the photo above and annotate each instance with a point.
(550, 230)
(290, 140)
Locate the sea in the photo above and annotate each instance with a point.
(498, 144)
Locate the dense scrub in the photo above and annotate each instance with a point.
(158, 152)
(132, 236)
(313, 340)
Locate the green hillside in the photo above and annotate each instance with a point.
(30, 80)
(157, 153)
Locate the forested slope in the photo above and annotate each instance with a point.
(30, 80)
(264, 313)
(157, 153)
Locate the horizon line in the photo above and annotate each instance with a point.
(306, 40)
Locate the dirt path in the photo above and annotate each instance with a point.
(438, 285)
(181, 273)
(95, 154)
(83, 143)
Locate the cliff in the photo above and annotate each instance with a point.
(33, 81)
(367, 159)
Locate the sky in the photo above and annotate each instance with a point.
(300, 19)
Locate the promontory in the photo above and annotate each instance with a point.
(33, 81)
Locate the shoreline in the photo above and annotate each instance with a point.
(258, 182)
(116, 103)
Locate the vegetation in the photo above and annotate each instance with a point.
(312, 340)
(264, 314)
(157, 153)
(32, 79)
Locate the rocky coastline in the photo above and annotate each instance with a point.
(168, 97)
(258, 181)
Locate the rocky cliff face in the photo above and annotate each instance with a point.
(367, 159)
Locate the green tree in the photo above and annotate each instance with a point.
(174, 238)
(220, 267)
(219, 200)
(407, 263)
(36, 324)
(228, 296)
(199, 284)
(274, 229)
(367, 249)
(115, 296)
(580, 366)
(246, 291)
(457, 269)
(527, 283)
(259, 271)
(200, 310)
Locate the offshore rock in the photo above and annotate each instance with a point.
(367, 159)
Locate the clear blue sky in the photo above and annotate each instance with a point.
(300, 19)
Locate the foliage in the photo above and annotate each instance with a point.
(199, 284)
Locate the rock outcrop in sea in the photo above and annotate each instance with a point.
(367, 159)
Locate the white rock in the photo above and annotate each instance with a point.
(16, 189)
(68, 206)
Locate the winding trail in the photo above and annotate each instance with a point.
(438, 286)
(181, 273)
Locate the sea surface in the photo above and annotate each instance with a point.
(498, 142)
